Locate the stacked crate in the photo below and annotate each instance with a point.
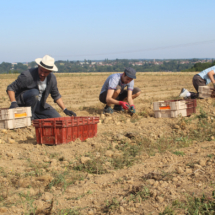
(206, 92)
(174, 108)
(15, 117)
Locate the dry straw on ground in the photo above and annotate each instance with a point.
(135, 165)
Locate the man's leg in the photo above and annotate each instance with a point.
(30, 99)
(135, 93)
(115, 94)
(49, 112)
(124, 95)
(197, 81)
(103, 96)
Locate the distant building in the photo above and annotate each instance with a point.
(14, 64)
(140, 63)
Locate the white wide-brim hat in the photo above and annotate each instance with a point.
(47, 62)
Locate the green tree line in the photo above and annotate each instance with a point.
(199, 67)
(9, 68)
(117, 65)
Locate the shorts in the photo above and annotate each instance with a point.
(121, 96)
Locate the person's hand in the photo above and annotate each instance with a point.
(14, 105)
(125, 105)
(69, 112)
(132, 109)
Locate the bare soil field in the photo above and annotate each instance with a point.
(135, 165)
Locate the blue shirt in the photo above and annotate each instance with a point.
(204, 74)
(115, 79)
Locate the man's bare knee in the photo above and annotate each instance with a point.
(116, 93)
(136, 95)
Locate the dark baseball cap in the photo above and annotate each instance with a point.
(130, 72)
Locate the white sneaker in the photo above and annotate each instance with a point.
(183, 92)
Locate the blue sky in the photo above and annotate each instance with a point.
(93, 29)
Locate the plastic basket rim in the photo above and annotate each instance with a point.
(80, 120)
(67, 117)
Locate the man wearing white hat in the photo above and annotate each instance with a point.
(33, 87)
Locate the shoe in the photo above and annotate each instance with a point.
(108, 109)
(118, 108)
(183, 92)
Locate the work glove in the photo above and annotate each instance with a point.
(69, 112)
(132, 109)
(125, 105)
(14, 105)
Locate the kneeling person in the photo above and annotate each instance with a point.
(33, 87)
(201, 79)
(113, 91)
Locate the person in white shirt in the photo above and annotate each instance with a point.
(201, 79)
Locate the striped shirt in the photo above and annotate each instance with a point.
(113, 81)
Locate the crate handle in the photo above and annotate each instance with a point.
(18, 115)
(164, 108)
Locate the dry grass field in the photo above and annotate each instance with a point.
(135, 165)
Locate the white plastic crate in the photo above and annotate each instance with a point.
(15, 113)
(162, 114)
(204, 95)
(178, 105)
(160, 105)
(15, 118)
(15, 123)
(170, 113)
(174, 108)
(176, 113)
(205, 90)
(169, 105)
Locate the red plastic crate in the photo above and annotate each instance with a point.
(61, 130)
(191, 103)
(191, 110)
(191, 106)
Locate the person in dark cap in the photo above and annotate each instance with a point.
(113, 91)
(32, 88)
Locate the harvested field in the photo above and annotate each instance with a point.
(135, 165)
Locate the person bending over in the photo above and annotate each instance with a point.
(113, 91)
(202, 79)
(32, 88)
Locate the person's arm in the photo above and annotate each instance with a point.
(109, 98)
(130, 100)
(19, 83)
(211, 76)
(54, 90)
(60, 103)
(11, 95)
(62, 106)
(12, 98)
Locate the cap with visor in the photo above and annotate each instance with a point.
(130, 72)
